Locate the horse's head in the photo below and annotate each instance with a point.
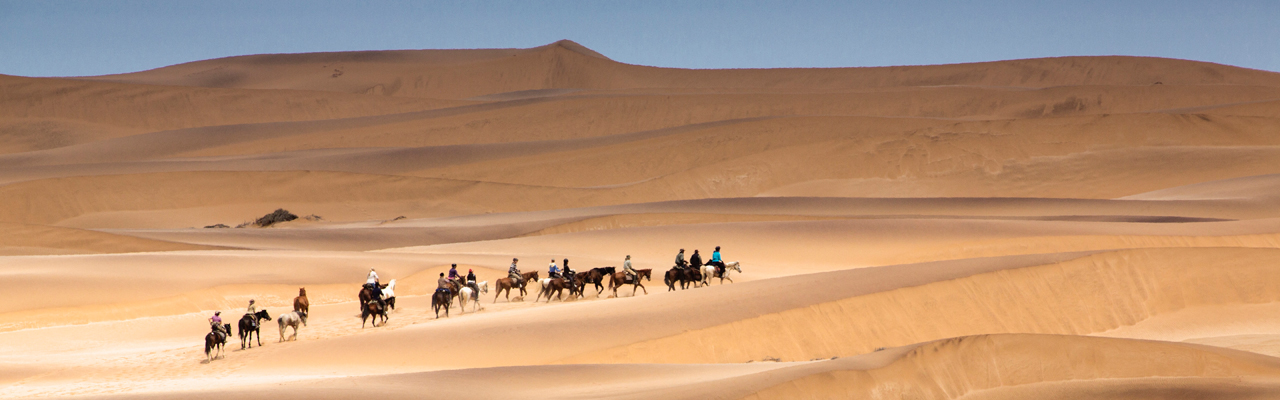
(391, 285)
(302, 316)
(645, 273)
(302, 292)
(263, 315)
(735, 266)
(484, 286)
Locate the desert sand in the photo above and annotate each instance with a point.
(1057, 228)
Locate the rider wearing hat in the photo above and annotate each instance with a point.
(680, 262)
(252, 308)
(631, 272)
(215, 322)
(471, 280)
(514, 273)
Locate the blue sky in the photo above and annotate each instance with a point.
(68, 38)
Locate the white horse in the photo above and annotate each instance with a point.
(709, 271)
(291, 319)
(467, 293)
(389, 294)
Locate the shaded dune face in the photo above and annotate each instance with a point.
(1100, 227)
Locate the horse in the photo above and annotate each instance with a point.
(372, 308)
(366, 294)
(554, 285)
(619, 278)
(215, 339)
(684, 276)
(442, 298)
(291, 319)
(506, 284)
(467, 293)
(594, 276)
(389, 295)
(709, 271)
(300, 303)
(249, 325)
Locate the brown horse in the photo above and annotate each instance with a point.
(372, 307)
(506, 285)
(683, 276)
(594, 276)
(300, 303)
(619, 278)
(442, 298)
(213, 343)
(555, 285)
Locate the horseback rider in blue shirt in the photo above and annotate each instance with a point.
(553, 271)
(717, 262)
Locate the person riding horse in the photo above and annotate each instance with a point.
(695, 260)
(215, 322)
(680, 262)
(471, 281)
(568, 273)
(514, 273)
(553, 272)
(251, 310)
(372, 283)
(443, 285)
(717, 262)
(631, 272)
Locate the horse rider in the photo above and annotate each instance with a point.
(372, 283)
(631, 272)
(252, 310)
(568, 273)
(553, 271)
(471, 281)
(514, 273)
(453, 273)
(680, 262)
(717, 262)
(695, 260)
(216, 323)
(443, 284)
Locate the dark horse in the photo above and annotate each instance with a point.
(372, 307)
(249, 325)
(215, 339)
(619, 278)
(442, 298)
(594, 276)
(684, 276)
(505, 284)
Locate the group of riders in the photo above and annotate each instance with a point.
(215, 322)
(454, 279)
(694, 263)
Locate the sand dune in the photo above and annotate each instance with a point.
(1073, 227)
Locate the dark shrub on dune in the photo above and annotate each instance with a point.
(279, 215)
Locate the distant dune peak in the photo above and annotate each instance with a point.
(575, 47)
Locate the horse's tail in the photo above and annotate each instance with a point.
(208, 343)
